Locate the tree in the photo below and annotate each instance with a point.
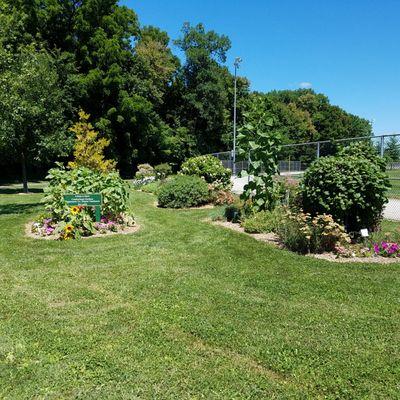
(88, 147)
(32, 108)
(392, 149)
(205, 106)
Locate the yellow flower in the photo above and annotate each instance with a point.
(68, 228)
(74, 210)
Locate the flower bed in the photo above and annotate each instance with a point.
(79, 224)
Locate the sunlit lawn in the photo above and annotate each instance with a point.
(183, 309)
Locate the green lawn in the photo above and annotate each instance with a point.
(187, 310)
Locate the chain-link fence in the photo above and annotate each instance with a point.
(296, 158)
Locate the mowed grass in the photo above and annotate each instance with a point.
(187, 310)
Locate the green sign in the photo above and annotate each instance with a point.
(88, 200)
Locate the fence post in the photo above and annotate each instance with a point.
(318, 148)
(382, 145)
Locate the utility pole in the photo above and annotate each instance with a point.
(237, 62)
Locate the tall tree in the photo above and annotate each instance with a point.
(205, 103)
(32, 108)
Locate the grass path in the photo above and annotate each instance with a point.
(183, 309)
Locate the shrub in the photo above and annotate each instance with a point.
(263, 221)
(209, 168)
(144, 171)
(88, 148)
(233, 212)
(183, 191)
(302, 233)
(350, 188)
(162, 171)
(222, 197)
(83, 180)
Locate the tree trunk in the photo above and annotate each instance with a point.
(24, 176)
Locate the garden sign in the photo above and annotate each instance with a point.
(88, 200)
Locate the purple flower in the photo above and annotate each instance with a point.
(376, 248)
(385, 245)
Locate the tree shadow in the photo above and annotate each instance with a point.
(10, 190)
(18, 208)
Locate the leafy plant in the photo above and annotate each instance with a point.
(144, 171)
(263, 221)
(233, 212)
(88, 147)
(83, 180)
(183, 191)
(300, 232)
(260, 143)
(222, 197)
(162, 171)
(209, 168)
(351, 188)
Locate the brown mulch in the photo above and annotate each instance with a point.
(122, 231)
(273, 239)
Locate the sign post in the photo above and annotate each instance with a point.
(87, 200)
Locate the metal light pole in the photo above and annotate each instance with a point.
(238, 60)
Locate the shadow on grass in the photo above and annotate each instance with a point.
(18, 208)
(9, 190)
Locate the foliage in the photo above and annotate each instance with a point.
(144, 171)
(32, 108)
(392, 149)
(88, 148)
(260, 142)
(222, 197)
(263, 221)
(162, 171)
(209, 168)
(82, 180)
(350, 188)
(363, 149)
(300, 232)
(183, 191)
(233, 212)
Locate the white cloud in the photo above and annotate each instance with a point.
(305, 85)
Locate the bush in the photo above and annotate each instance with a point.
(162, 171)
(233, 212)
(152, 187)
(222, 197)
(350, 188)
(83, 180)
(209, 168)
(183, 191)
(263, 221)
(144, 171)
(302, 233)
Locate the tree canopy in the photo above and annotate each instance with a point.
(149, 104)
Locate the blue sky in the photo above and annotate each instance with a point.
(348, 50)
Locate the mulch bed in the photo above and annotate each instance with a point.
(121, 231)
(273, 239)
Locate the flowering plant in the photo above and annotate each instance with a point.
(386, 249)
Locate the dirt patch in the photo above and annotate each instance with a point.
(273, 239)
(121, 231)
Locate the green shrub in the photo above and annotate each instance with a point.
(162, 171)
(183, 191)
(302, 233)
(350, 188)
(144, 171)
(263, 221)
(82, 180)
(233, 212)
(209, 168)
